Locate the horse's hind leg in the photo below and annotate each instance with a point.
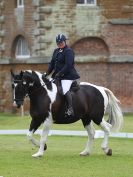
(91, 133)
(106, 128)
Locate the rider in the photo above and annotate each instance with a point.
(62, 63)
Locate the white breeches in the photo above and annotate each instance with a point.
(66, 84)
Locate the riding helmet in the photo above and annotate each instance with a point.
(60, 38)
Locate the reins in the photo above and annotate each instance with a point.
(42, 85)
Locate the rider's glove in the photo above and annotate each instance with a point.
(57, 76)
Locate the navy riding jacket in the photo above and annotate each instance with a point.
(63, 63)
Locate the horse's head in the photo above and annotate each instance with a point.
(28, 83)
(20, 85)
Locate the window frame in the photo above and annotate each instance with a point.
(19, 49)
(87, 4)
(20, 3)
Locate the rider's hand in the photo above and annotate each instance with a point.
(57, 76)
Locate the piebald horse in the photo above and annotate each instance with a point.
(48, 106)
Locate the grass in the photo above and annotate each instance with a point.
(62, 159)
(17, 122)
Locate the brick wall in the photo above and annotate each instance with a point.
(116, 9)
(40, 21)
(119, 38)
(17, 22)
(101, 37)
(116, 77)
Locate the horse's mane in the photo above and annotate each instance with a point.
(47, 82)
(38, 78)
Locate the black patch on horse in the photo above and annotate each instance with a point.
(47, 82)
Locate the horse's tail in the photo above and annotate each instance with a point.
(115, 113)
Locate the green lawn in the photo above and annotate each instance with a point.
(62, 158)
(17, 122)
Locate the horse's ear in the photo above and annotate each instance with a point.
(27, 76)
(21, 74)
(12, 74)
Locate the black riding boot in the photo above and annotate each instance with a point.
(68, 97)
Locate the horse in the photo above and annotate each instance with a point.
(48, 106)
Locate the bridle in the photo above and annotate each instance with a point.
(29, 94)
(17, 81)
(42, 85)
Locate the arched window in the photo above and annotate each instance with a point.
(22, 49)
(91, 49)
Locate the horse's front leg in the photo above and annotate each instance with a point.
(45, 131)
(32, 139)
(33, 127)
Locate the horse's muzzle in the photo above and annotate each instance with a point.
(17, 104)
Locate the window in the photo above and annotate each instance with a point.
(22, 50)
(86, 2)
(20, 3)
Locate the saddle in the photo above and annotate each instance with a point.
(74, 87)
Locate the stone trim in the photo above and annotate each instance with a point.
(33, 60)
(42, 26)
(44, 9)
(2, 4)
(121, 58)
(78, 59)
(2, 31)
(121, 21)
(127, 9)
(91, 58)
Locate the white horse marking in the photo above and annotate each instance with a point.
(31, 139)
(45, 131)
(105, 126)
(14, 102)
(52, 94)
(91, 133)
(30, 71)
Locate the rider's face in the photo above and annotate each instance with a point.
(61, 45)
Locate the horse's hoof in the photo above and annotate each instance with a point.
(109, 153)
(45, 147)
(38, 154)
(84, 153)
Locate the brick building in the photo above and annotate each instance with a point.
(99, 31)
